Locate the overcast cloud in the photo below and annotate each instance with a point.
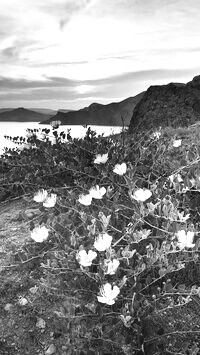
(69, 53)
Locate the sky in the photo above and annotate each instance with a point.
(70, 53)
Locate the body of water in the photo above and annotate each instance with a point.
(15, 129)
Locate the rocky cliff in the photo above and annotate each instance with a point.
(173, 105)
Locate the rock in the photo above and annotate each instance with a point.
(51, 349)
(175, 105)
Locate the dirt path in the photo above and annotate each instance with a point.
(15, 217)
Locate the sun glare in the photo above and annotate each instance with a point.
(84, 89)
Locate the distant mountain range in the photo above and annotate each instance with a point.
(113, 114)
(23, 115)
(174, 104)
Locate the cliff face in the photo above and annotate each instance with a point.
(173, 105)
(113, 114)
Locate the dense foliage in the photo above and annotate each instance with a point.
(120, 238)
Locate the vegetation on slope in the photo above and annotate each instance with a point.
(115, 269)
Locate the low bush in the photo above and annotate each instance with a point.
(117, 236)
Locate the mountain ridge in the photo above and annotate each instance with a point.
(112, 114)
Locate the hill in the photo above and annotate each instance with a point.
(48, 110)
(174, 105)
(23, 115)
(113, 114)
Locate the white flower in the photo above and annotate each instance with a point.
(29, 134)
(84, 258)
(156, 135)
(128, 254)
(101, 159)
(103, 242)
(85, 199)
(185, 239)
(39, 234)
(142, 195)
(177, 143)
(120, 169)
(96, 192)
(22, 301)
(179, 178)
(41, 136)
(27, 145)
(183, 218)
(171, 178)
(53, 141)
(55, 124)
(111, 266)
(40, 196)
(50, 201)
(107, 294)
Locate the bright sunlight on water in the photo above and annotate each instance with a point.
(15, 129)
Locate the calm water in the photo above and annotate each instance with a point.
(15, 129)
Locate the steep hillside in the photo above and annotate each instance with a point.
(173, 105)
(113, 114)
(23, 115)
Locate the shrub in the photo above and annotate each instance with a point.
(120, 242)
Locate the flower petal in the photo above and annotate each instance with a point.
(107, 289)
(120, 169)
(101, 159)
(103, 242)
(40, 196)
(50, 201)
(105, 300)
(85, 199)
(115, 291)
(92, 254)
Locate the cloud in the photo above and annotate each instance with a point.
(144, 75)
(47, 82)
(71, 8)
(9, 52)
(83, 49)
(115, 88)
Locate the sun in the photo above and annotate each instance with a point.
(84, 89)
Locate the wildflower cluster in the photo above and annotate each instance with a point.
(118, 240)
